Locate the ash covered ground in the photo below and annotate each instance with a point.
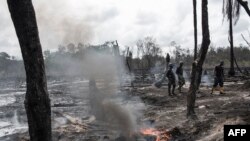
(73, 119)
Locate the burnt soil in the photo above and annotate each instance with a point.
(163, 111)
(213, 111)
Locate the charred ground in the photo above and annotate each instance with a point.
(72, 121)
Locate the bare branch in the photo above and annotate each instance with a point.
(248, 33)
(245, 40)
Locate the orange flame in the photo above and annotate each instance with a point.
(160, 135)
(151, 131)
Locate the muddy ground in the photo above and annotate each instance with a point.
(73, 121)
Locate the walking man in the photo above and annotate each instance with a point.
(219, 77)
(179, 72)
(171, 80)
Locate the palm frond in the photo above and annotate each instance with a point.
(235, 10)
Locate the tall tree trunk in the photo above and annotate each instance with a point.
(231, 70)
(195, 29)
(197, 65)
(37, 102)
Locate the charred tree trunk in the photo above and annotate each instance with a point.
(192, 92)
(116, 50)
(37, 102)
(129, 61)
(167, 60)
(197, 65)
(195, 29)
(149, 61)
(231, 70)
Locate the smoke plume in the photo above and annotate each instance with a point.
(62, 26)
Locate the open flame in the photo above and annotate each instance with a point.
(161, 135)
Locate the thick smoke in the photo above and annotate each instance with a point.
(62, 26)
(100, 66)
(107, 102)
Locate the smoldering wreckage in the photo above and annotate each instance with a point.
(96, 108)
(114, 105)
(111, 101)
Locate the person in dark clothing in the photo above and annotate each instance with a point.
(171, 80)
(219, 77)
(179, 72)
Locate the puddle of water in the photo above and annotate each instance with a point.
(4, 124)
(66, 83)
(12, 130)
(12, 126)
(12, 94)
(6, 100)
(59, 121)
(15, 121)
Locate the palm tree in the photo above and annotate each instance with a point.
(195, 29)
(198, 63)
(231, 10)
(244, 4)
(37, 102)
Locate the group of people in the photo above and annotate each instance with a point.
(218, 78)
(172, 80)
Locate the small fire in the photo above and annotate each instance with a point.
(161, 135)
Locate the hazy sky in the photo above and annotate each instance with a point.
(97, 21)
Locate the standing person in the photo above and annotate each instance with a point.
(171, 80)
(179, 72)
(219, 77)
(167, 61)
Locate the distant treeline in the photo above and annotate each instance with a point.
(217, 54)
(214, 56)
(66, 60)
(242, 56)
(10, 67)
